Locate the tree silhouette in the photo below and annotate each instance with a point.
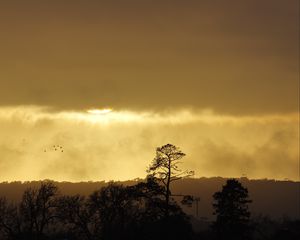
(142, 211)
(32, 217)
(164, 168)
(77, 217)
(9, 220)
(116, 210)
(38, 209)
(231, 209)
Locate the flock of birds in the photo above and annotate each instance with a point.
(57, 148)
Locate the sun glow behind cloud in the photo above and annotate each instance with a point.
(33, 114)
(99, 111)
(105, 146)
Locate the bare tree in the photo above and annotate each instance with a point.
(37, 208)
(30, 218)
(10, 223)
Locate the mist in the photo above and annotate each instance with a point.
(36, 143)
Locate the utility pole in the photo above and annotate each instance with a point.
(197, 200)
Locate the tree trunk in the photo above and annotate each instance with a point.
(168, 187)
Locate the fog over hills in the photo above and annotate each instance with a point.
(273, 198)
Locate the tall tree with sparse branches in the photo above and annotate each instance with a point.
(165, 169)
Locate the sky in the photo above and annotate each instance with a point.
(218, 79)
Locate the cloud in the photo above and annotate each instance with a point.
(276, 158)
(235, 57)
(121, 144)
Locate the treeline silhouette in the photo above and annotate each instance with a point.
(146, 210)
(273, 198)
(130, 212)
(113, 212)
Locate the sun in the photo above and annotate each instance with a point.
(99, 111)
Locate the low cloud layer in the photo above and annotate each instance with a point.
(121, 144)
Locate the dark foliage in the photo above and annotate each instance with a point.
(114, 212)
(231, 210)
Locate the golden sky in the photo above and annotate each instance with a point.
(218, 78)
